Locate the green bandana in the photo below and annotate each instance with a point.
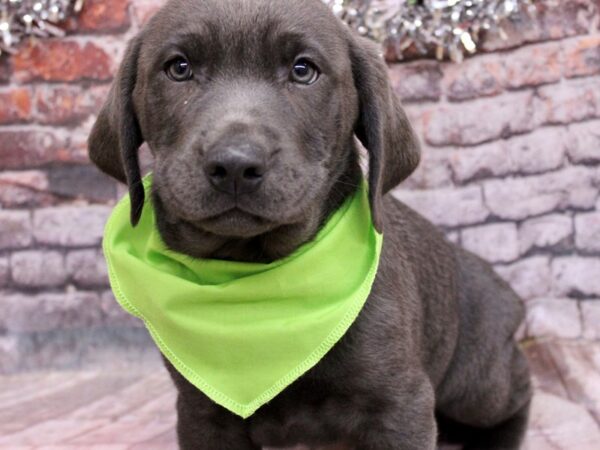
(243, 332)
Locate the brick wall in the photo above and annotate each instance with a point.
(511, 169)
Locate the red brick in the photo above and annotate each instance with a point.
(582, 57)
(145, 9)
(553, 21)
(16, 196)
(62, 60)
(27, 148)
(475, 77)
(102, 16)
(31, 148)
(4, 69)
(15, 105)
(416, 81)
(66, 105)
(78, 147)
(533, 65)
(24, 189)
(487, 75)
(33, 179)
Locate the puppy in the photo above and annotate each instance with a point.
(273, 93)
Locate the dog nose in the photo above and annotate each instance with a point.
(236, 170)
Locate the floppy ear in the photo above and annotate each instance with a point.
(116, 137)
(382, 126)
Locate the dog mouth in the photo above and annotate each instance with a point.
(236, 223)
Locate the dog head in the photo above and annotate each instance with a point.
(250, 109)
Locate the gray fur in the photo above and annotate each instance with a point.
(434, 346)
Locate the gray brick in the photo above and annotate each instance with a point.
(584, 142)
(115, 315)
(495, 243)
(481, 120)
(81, 181)
(4, 271)
(527, 154)
(87, 268)
(433, 171)
(575, 275)
(11, 352)
(554, 230)
(590, 313)
(23, 313)
(553, 317)
(34, 268)
(587, 231)
(529, 277)
(570, 101)
(70, 225)
(15, 229)
(447, 207)
(520, 198)
(483, 161)
(454, 237)
(474, 77)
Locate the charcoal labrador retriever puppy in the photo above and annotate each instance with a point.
(251, 109)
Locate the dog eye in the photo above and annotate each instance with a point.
(179, 69)
(304, 72)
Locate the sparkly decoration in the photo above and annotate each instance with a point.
(447, 28)
(32, 18)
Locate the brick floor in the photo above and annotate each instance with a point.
(128, 411)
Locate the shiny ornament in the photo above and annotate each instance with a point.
(446, 28)
(20, 19)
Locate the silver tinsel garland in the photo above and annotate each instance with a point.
(23, 18)
(450, 28)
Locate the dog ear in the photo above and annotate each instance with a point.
(116, 137)
(382, 126)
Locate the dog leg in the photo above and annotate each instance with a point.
(199, 429)
(491, 414)
(201, 424)
(506, 436)
(410, 426)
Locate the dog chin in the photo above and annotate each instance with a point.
(236, 224)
